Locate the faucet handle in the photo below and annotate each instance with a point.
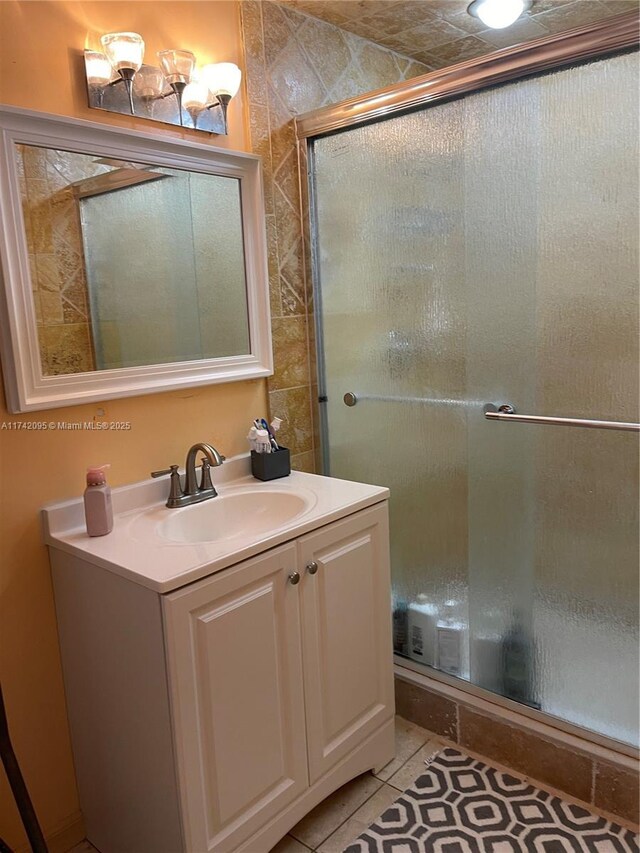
(205, 482)
(165, 471)
(175, 490)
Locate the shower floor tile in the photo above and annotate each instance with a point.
(462, 805)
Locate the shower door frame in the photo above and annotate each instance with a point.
(610, 36)
(594, 41)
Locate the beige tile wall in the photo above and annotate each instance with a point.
(442, 32)
(295, 63)
(56, 258)
(611, 787)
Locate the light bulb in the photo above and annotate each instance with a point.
(195, 97)
(125, 51)
(98, 68)
(221, 78)
(497, 14)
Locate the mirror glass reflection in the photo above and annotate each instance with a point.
(131, 264)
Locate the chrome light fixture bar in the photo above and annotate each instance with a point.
(160, 93)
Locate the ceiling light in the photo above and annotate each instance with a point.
(498, 14)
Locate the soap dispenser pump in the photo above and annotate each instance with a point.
(97, 502)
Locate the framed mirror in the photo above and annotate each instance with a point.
(131, 263)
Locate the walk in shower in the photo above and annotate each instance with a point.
(476, 253)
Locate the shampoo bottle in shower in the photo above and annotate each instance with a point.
(423, 616)
(518, 676)
(97, 502)
(451, 635)
(400, 614)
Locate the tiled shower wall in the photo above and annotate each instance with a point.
(54, 240)
(295, 63)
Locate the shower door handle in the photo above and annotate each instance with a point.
(508, 413)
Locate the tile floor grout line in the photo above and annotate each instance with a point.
(388, 784)
(335, 829)
(402, 765)
(440, 746)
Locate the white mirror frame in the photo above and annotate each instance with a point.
(26, 388)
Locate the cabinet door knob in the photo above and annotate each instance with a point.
(294, 577)
(312, 567)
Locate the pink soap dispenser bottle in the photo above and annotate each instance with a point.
(97, 502)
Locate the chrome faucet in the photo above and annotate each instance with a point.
(193, 493)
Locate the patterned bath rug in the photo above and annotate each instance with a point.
(461, 805)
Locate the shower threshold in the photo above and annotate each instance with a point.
(462, 692)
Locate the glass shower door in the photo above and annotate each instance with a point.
(483, 251)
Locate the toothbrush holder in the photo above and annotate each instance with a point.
(271, 466)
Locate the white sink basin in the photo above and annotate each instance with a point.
(165, 549)
(242, 513)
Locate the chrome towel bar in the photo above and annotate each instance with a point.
(497, 413)
(508, 413)
(350, 399)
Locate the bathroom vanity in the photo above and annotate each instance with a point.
(227, 665)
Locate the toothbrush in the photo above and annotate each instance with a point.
(272, 438)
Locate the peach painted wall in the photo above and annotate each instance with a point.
(40, 68)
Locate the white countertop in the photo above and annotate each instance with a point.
(134, 551)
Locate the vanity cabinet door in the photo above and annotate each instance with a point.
(235, 674)
(347, 644)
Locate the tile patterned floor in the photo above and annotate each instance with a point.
(354, 818)
(462, 805)
(356, 809)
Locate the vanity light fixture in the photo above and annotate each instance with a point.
(177, 67)
(99, 72)
(148, 82)
(498, 14)
(223, 81)
(125, 52)
(195, 99)
(160, 93)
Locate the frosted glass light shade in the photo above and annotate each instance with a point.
(98, 68)
(195, 96)
(177, 65)
(222, 78)
(497, 14)
(148, 82)
(123, 50)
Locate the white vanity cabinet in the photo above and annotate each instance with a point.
(215, 716)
